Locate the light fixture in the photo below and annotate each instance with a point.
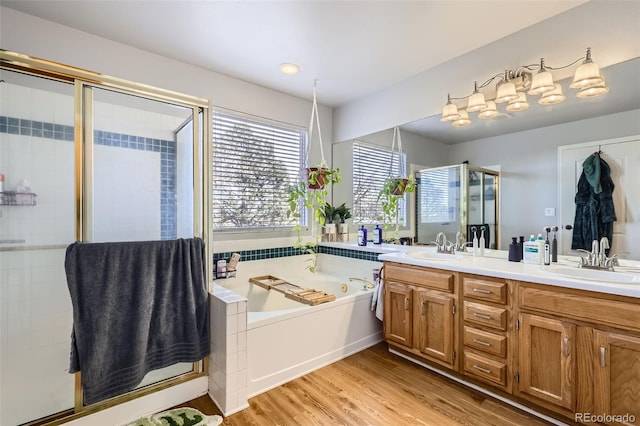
(491, 111)
(289, 68)
(593, 91)
(519, 104)
(450, 111)
(534, 79)
(506, 90)
(542, 80)
(476, 100)
(551, 97)
(463, 120)
(587, 74)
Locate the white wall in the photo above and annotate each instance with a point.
(528, 166)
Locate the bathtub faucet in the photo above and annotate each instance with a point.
(368, 285)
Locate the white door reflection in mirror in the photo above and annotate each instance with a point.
(623, 156)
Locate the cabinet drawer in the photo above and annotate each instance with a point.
(432, 278)
(581, 305)
(485, 368)
(484, 341)
(492, 291)
(485, 315)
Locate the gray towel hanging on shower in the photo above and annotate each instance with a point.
(137, 306)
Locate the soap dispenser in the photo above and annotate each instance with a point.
(362, 236)
(515, 252)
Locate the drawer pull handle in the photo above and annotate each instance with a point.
(565, 344)
(603, 356)
(483, 291)
(481, 342)
(484, 370)
(482, 316)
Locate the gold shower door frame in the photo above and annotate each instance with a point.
(84, 81)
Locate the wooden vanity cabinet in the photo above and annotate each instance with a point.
(546, 359)
(616, 376)
(419, 314)
(579, 352)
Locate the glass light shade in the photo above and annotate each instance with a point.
(542, 82)
(449, 112)
(551, 97)
(506, 92)
(587, 74)
(593, 91)
(476, 102)
(491, 111)
(463, 121)
(519, 104)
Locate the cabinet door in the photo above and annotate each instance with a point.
(617, 377)
(433, 325)
(397, 313)
(546, 359)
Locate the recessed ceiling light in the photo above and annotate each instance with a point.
(289, 68)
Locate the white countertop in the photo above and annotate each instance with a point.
(496, 264)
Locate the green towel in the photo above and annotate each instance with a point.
(591, 169)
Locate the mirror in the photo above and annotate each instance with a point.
(524, 148)
(458, 200)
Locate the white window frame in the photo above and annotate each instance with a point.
(226, 117)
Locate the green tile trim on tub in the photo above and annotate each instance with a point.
(274, 253)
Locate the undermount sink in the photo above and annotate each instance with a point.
(430, 255)
(594, 275)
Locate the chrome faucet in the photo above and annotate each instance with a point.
(368, 285)
(442, 245)
(597, 257)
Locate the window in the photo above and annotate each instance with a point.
(437, 198)
(371, 168)
(254, 164)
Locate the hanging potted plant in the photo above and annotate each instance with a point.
(394, 189)
(311, 193)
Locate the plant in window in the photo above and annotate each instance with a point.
(393, 191)
(311, 193)
(342, 212)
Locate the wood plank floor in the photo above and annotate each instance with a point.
(372, 387)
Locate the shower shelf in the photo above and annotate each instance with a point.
(13, 198)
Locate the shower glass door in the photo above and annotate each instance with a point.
(139, 176)
(138, 182)
(37, 211)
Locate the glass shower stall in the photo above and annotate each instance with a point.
(82, 159)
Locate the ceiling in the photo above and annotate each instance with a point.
(353, 48)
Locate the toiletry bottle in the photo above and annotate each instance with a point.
(481, 243)
(475, 242)
(514, 250)
(540, 243)
(554, 245)
(531, 253)
(547, 251)
(362, 236)
(521, 243)
(377, 235)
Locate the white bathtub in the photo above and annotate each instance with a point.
(287, 339)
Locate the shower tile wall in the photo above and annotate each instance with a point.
(35, 309)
